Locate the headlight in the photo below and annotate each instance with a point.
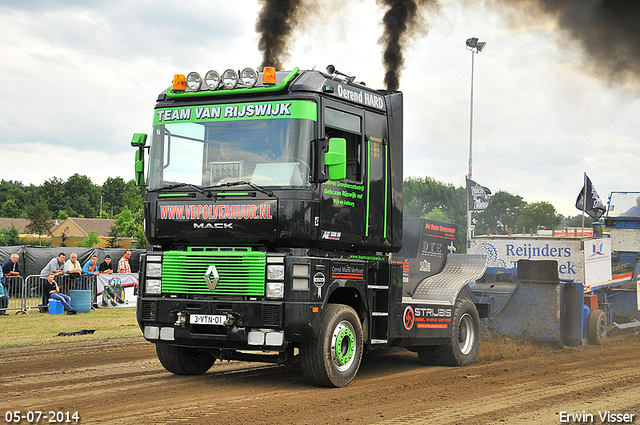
(275, 272)
(212, 79)
(249, 77)
(193, 81)
(153, 286)
(275, 289)
(154, 269)
(229, 78)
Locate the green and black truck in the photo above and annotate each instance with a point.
(274, 228)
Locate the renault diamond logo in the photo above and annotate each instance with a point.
(212, 277)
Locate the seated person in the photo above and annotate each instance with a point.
(52, 291)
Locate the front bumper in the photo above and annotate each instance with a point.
(250, 325)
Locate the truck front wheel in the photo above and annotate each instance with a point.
(333, 359)
(185, 360)
(464, 343)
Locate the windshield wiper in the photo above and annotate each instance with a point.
(177, 185)
(251, 185)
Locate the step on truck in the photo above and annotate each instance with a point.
(274, 228)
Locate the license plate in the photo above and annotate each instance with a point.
(207, 319)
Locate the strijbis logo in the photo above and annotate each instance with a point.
(409, 318)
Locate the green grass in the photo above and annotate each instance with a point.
(42, 328)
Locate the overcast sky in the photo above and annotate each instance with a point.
(81, 77)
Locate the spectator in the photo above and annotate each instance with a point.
(52, 291)
(10, 268)
(91, 267)
(123, 264)
(4, 301)
(72, 267)
(106, 266)
(55, 266)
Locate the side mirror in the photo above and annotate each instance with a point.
(335, 159)
(139, 141)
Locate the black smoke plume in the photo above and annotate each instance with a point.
(401, 21)
(607, 30)
(276, 21)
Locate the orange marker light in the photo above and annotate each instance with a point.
(315, 309)
(179, 82)
(269, 75)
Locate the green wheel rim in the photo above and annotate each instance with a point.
(343, 345)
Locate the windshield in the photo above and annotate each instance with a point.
(266, 143)
(624, 204)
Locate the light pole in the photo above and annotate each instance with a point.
(476, 47)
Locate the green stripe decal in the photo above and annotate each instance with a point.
(386, 188)
(366, 224)
(237, 112)
(232, 194)
(172, 195)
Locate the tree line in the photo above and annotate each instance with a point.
(506, 214)
(78, 196)
(116, 199)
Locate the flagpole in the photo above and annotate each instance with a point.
(584, 205)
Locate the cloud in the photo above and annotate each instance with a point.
(81, 77)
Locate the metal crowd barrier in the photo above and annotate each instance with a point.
(26, 294)
(13, 288)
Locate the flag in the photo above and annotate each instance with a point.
(593, 205)
(477, 196)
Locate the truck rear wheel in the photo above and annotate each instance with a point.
(597, 327)
(185, 360)
(464, 343)
(333, 359)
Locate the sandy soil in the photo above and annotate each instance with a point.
(120, 381)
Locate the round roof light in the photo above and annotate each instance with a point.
(193, 81)
(249, 77)
(212, 79)
(229, 78)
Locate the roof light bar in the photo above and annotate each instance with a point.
(229, 79)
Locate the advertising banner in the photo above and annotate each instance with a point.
(117, 289)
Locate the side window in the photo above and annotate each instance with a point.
(349, 127)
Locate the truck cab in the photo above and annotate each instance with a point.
(273, 206)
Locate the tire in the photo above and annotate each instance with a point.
(184, 360)
(464, 343)
(333, 359)
(597, 327)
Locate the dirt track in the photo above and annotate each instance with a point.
(122, 382)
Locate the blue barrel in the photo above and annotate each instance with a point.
(81, 300)
(55, 307)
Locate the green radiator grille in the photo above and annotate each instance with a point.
(242, 271)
